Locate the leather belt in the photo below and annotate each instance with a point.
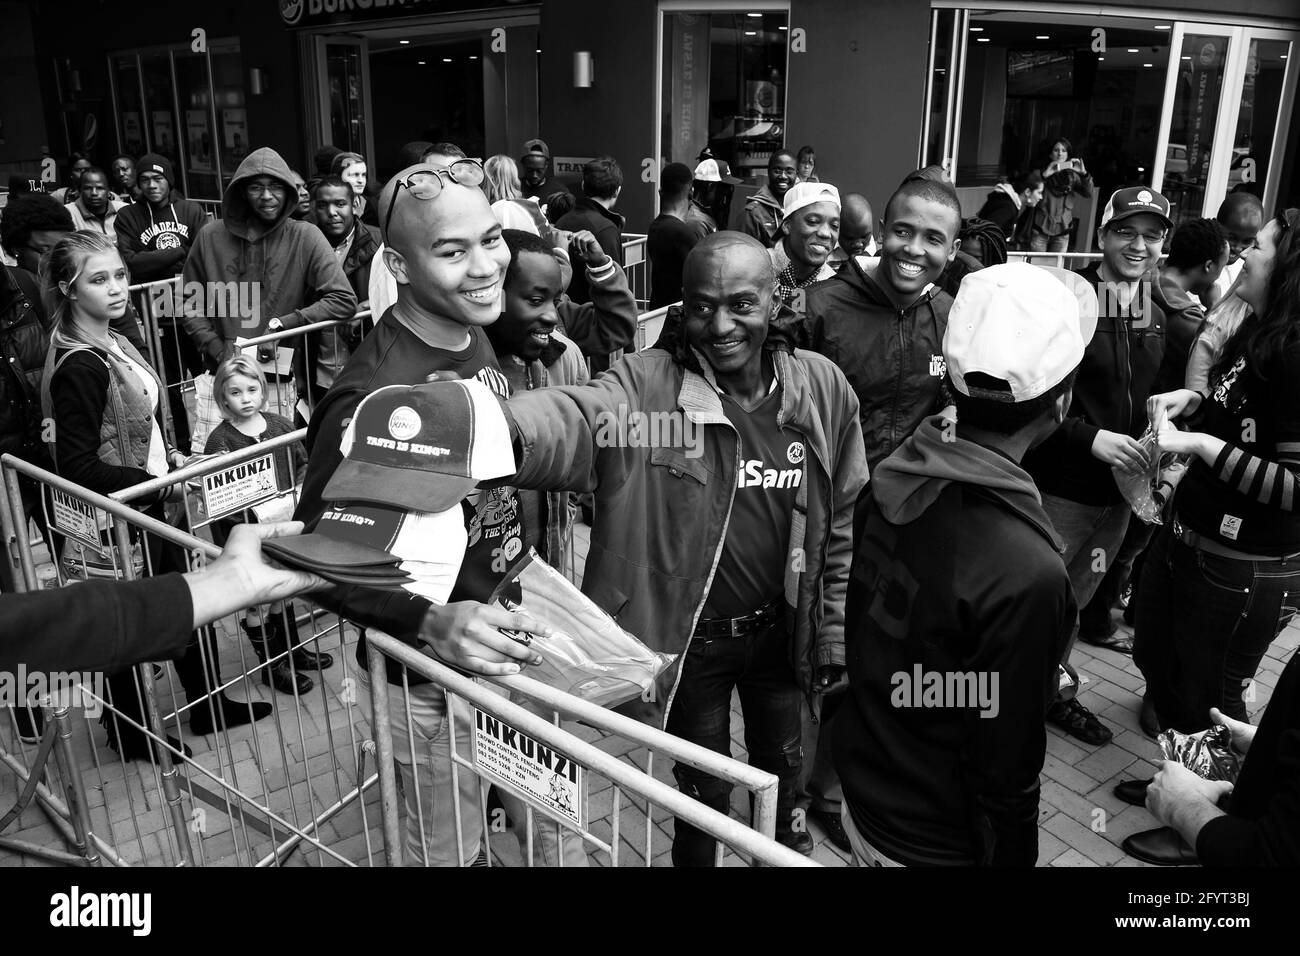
(742, 626)
(1201, 543)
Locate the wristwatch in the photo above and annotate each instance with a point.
(275, 325)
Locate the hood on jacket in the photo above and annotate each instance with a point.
(1006, 189)
(860, 273)
(910, 480)
(236, 213)
(764, 197)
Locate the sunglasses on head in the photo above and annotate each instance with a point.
(426, 183)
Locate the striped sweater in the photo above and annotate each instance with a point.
(1248, 499)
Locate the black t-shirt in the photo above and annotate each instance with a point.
(668, 241)
(1247, 499)
(751, 572)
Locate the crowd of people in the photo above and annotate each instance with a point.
(913, 494)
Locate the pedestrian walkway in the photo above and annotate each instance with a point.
(1080, 822)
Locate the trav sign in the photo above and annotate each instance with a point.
(546, 778)
(311, 13)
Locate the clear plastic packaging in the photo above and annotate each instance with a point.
(589, 656)
(1208, 754)
(1148, 492)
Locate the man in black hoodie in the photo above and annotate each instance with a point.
(959, 604)
(1076, 469)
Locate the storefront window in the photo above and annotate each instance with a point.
(130, 113)
(196, 113)
(1031, 80)
(232, 118)
(1261, 96)
(160, 111)
(724, 87)
(347, 107)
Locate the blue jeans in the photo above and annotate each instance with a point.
(759, 667)
(1204, 621)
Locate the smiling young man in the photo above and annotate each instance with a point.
(444, 247)
(882, 320)
(810, 231)
(726, 539)
(1076, 468)
(763, 210)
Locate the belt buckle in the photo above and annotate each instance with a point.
(733, 627)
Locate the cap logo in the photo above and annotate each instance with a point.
(404, 423)
(1144, 196)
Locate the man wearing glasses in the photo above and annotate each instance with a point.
(1077, 467)
(444, 248)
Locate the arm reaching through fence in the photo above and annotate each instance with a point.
(146, 620)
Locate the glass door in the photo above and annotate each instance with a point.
(343, 79)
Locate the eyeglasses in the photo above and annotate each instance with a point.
(1127, 234)
(427, 182)
(262, 189)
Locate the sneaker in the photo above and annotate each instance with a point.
(830, 822)
(800, 841)
(1079, 722)
(1114, 641)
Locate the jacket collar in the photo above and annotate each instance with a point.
(1010, 191)
(698, 397)
(586, 202)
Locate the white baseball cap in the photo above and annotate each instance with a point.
(805, 194)
(710, 171)
(1026, 325)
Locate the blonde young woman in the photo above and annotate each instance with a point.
(102, 397)
(503, 190)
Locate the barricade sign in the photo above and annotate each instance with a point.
(234, 489)
(76, 519)
(541, 775)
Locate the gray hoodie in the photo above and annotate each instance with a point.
(284, 269)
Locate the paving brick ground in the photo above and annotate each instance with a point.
(308, 757)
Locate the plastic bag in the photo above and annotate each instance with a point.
(1148, 492)
(589, 656)
(1208, 754)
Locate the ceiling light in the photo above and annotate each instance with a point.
(976, 29)
(422, 62)
(404, 42)
(1187, 58)
(1148, 64)
(754, 15)
(1100, 59)
(1042, 36)
(1132, 49)
(446, 59)
(983, 40)
(1163, 26)
(783, 28)
(750, 33)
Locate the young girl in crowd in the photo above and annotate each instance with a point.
(102, 397)
(240, 392)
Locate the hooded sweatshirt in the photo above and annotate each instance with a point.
(892, 357)
(763, 215)
(957, 571)
(154, 240)
(299, 278)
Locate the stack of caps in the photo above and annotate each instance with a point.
(411, 454)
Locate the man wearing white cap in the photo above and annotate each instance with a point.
(809, 233)
(959, 604)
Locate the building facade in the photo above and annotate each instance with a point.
(1194, 101)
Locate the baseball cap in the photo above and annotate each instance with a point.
(805, 194)
(710, 171)
(537, 146)
(1024, 324)
(1134, 200)
(383, 547)
(422, 447)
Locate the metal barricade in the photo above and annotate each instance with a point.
(298, 779)
(252, 794)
